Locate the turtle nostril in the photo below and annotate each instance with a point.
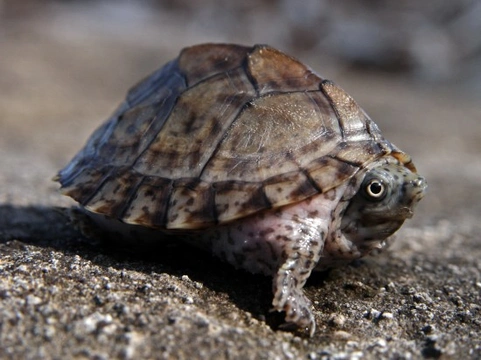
(420, 182)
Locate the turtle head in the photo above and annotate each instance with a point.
(387, 196)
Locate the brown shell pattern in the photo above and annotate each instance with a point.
(219, 133)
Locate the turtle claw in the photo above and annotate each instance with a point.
(288, 283)
(298, 312)
(290, 298)
(291, 327)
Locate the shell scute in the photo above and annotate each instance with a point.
(126, 139)
(233, 199)
(130, 130)
(272, 71)
(288, 188)
(328, 172)
(191, 205)
(203, 61)
(269, 137)
(180, 149)
(353, 121)
(115, 192)
(149, 205)
(84, 182)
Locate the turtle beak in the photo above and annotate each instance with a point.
(418, 188)
(414, 192)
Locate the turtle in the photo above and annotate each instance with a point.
(247, 153)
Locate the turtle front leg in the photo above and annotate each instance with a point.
(285, 243)
(289, 281)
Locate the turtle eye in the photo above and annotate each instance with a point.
(375, 189)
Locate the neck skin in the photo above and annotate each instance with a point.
(351, 240)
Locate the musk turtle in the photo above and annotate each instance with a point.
(246, 152)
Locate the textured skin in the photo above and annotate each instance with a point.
(247, 153)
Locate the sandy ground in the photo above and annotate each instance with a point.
(61, 296)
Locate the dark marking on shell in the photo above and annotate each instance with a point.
(193, 206)
(272, 70)
(289, 187)
(85, 183)
(203, 61)
(149, 206)
(115, 193)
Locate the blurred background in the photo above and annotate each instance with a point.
(415, 66)
(428, 40)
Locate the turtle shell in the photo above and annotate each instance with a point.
(220, 133)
